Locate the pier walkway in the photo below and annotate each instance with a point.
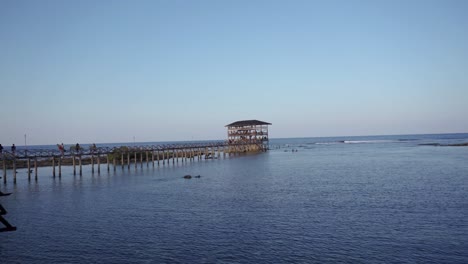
(118, 156)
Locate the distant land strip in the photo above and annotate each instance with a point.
(446, 145)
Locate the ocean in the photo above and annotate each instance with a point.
(371, 199)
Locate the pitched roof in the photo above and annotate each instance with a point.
(247, 123)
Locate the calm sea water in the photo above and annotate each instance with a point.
(380, 199)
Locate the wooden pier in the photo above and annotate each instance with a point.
(107, 158)
(243, 136)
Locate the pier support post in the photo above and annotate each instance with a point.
(92, 164)
(173, 156)
(74, 165)
(53, 166)
(113, 161)
(141, 159)
(81, 167)
(99, 164)
(128, 160)
(35, 169)
(152, 157)
(29, 169)
(147, 160)
(60, 166)
(14, 170)
(122, 160)
(108, 165)
(135, 160)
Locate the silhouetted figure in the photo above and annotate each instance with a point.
(77, 147)
(13, 149)
(1, 148)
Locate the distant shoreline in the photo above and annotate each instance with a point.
(445, 145)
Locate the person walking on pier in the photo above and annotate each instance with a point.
(61, 148)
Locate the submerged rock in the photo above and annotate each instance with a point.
(198, 176)
(188, 177)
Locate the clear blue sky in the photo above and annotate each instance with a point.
(106, 71)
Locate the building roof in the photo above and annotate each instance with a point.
(247, 123)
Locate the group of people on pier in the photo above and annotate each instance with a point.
(13, 148)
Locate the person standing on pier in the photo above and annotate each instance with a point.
(1, 149)
(77, 147)
(13, 149)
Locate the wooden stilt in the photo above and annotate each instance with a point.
(92, 164)
(135, 159)
(53, 167)
(128, 160)
(74, 165)
(108, 165)
(81, 167)
(122, 160)
(29, 169)
(152, 157)
(60, 166)
(35, 169)
(113, 161)
(14, 170)
(147, 160)
(99, 164)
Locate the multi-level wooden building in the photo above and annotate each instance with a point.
(253, 134)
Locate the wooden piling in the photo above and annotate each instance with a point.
(122, 160)
(113, 161)
(135, 159)
(147, 160)
(74, 165)
(81, 167)
(99, 164)
(92, 164)
(14, 170)
(108, 165)
(29, 169)
(53, 167)
(60, 166)
(128, 160)
(152, 157)
(35, 169)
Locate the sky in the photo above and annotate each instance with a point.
(114, 71)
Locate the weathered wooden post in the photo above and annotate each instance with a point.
(147, 160)
(128, 160)
(173, 156)
(35, 168)
(74, 165)
(157, 157)
(122, 160)
(164, 152)
(29, 169)
(60, 166)
(113, 162)
(152, 156)
(92, 164)
(99, 164)
(53, 166)
(14, 169)
(141, 159)
(108, 165)
(135, 160)
(81, 167)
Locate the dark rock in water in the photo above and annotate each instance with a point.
(198, 176)
(188, 177)
(429, 144)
